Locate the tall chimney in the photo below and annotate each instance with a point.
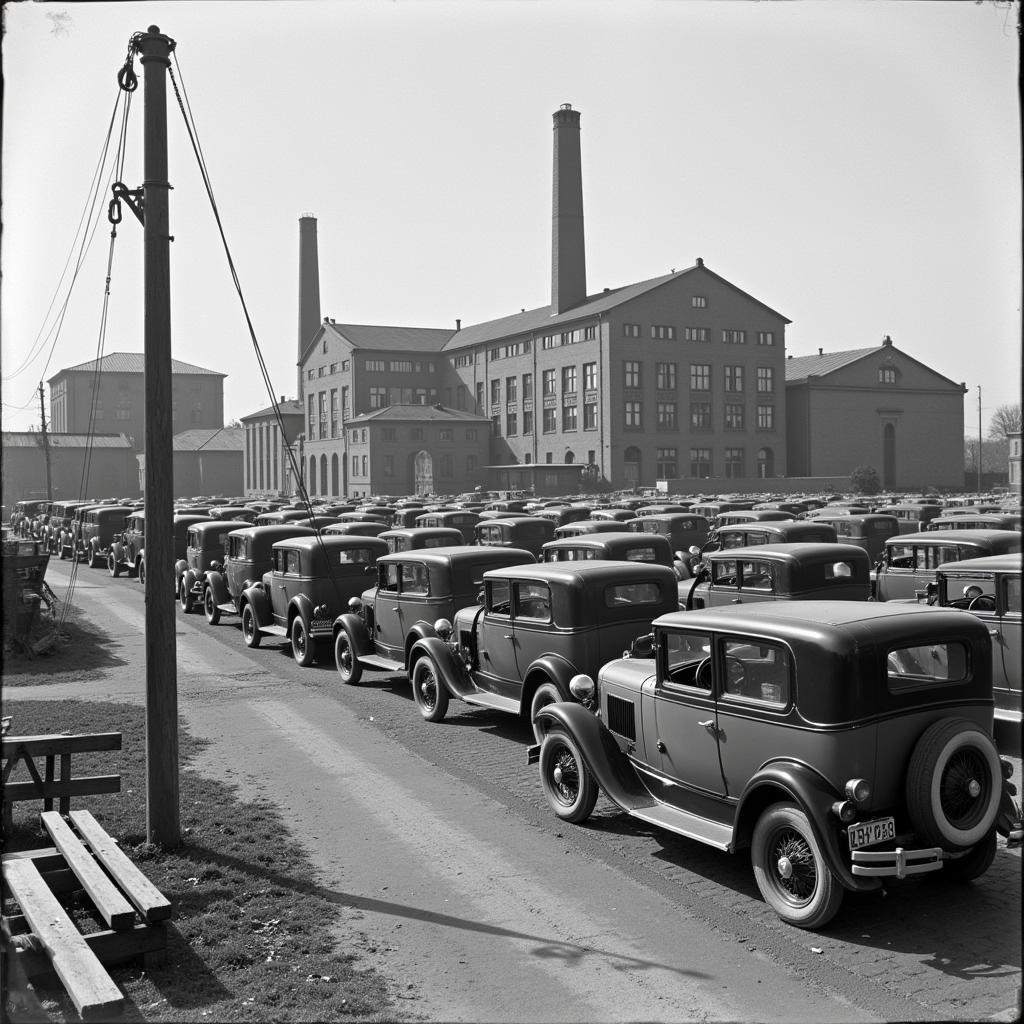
(309, 287)
(568, 262)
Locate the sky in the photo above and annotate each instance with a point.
(853, 164)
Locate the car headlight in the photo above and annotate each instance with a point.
(355, 605)
(582, 688)
(858, 790)
(443, 628)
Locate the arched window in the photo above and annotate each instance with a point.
(631, 465)
(323, 474)
(765, 462)
(334, 476)
(312, 474)
(569, 458)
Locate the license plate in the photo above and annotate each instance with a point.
(867, 833)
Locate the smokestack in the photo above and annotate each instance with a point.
(309, 286)
(568, 262)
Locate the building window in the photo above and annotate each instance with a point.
(633, 416)
(695, 334)
(527, 421)
(766, 417)
(389, 465)
(590, 416)
(666, 415)
(495, 392)
(310, 374)
(387, 434)
(511, 423)
(346, 410)
(548, 341)
(366, 469)
(700, 376)
(734, 378)
(631, 374)
(402, 366)
(471, 435)
(334, 367)
(416, 434)
(666, 376)
(886, 375)
(527, 387)
(568, 380)
(699, 302)
(311, 418)
(355, 436)
(376, 365)
(471, 463)
(355, 465)
(446, 434)
(570, 417)
(766, 380)
(547, 379)
(667, 466)
(344, 365)
(734, 337)
(631, 330)
(510, 388)
(590, 376)
(323, 414)
(445, 465)
(700, 463)
(568, 338)
(590, 333)
(319, 371)
(378, 397)
(548, 425)
(334, 412)
(663, 332)
(734, 463)
(479, 396)
(733, 416)
(765, 338)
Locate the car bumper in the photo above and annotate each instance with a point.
(896, 863)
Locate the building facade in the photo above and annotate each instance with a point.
(110, 394)
(1013, 461)
(209, 462)
(272, 450)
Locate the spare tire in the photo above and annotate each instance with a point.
(954, 784)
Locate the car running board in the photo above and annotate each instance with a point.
(492, 700)
(274, 631)
(685, 824)
(379, 661)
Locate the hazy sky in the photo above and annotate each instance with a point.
(854, 165)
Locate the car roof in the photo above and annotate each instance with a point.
(208, 526)
(1000, 537)
(1009, 561)
(605, 538)
(569, 572)
(458, 553)
(796, 552)
(281, 530)
(331, 540)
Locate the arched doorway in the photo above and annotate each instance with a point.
(312, 474)
(889, 456)
(765, 463)
(569, 458)
(631, 466)
(423, 472)
(323, 474)
(334, 476)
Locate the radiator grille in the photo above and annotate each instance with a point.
(621, 717)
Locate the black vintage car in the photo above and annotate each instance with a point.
(99, 527)
(529, 532)
(127, 551)
(207, 544)
(845, 744)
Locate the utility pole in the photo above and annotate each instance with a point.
(46, 445)
(979, 440)
(163, 825)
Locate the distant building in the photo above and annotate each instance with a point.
(272, 446)
(1013, 465)
(209, 461)
(110, 392)
(877, 407)
(81, 466)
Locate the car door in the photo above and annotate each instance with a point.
(1009, 626)
(388, 634)
(757, 581)
(534, 630)
(497, 670)
(724, 586)
(685, 718)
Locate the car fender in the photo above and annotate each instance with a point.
(613, 770)
(814, 796)
(301, 607)
(547, 667)
(357, 630)
(451, 670)
(189, 580)
(419, 631)
(117, 550)
(215, 581)
(257, 597)
(179, 569)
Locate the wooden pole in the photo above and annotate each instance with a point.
(162, 811)
(46, 445)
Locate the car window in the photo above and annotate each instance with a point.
(685, 659)
(1011, 595)
(925, 665)
(733, 540)
(436, 542)
(932, 556)
(533, 601)
(640, 555)
(757, 672)
(901, 556)
(351, 556)
(292, 563)
(387, 577)
(757, 575)
(498, 597)
(723, 573)
(645, 592)
(415, 579)
(839, 570)
(193, 538)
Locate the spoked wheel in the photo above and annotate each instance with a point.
(303, 647)
(430, 694)
(790, 868)
(345, 658)
(568, 783)
(210, 607)
(250, 628)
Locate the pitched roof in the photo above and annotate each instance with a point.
(34, 439)
(801, 367)
(395, 339)
(218, 439)
(130, 362)
(417, 413)
(292, 407)
(541, 318)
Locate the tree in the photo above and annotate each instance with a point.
(865, 480)
(1005, 419)
(233, 423)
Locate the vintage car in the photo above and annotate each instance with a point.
(781, 572)
(741, 516)
(24, 512)
(684, 530)
(868, 530)
(311, 582)
(989, 587)
(964, 519)
(462, 520)
(538, 626)
(794, 508)
(99, 527)
(249, 555)
(69, 541)
(207, 543)
(61, 516)
(710, 509)
(281, 515)
(909, 561)
(913, 517)
(415, 537)
(529, 532)
(846, 745)
(414, 590)
(618, 515)
(586, 527)
(239, 513)
(661, 510)
(790, 531)
(127, 550)
(618, 546)
(348, 528)
(561, 515)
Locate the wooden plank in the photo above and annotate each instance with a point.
(109, 902)
(87, 785)
(147, 898)
(59, 743)
(79, 969)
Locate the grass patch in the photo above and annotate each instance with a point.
(252, 937)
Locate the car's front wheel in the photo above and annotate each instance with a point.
(545, 694)
(303, 647)
(141, 571)
(95, 561)
(790, 868)
(567, 782)
(210, 607)
(429, 692)
(250, 628)
(113, 567)
(345, 658)
(184, 597)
